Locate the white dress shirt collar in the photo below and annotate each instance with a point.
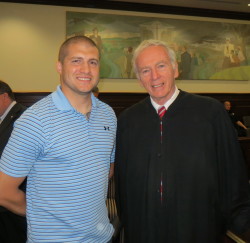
(168, 103)
(7, 110)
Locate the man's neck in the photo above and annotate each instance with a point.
(82, 103)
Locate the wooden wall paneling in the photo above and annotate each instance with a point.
(29, 98)
(121, 101)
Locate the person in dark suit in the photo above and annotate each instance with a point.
(12, 227)
(240, 128)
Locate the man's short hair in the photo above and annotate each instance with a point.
(63, 51)
(5, 88)
(152, 42)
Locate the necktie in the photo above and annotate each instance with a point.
(161, 111)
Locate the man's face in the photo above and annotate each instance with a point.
(156, 73)
(80, 69)
(227, 105)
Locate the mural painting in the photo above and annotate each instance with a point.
(205, 50)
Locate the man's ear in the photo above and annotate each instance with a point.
(5, 96)
(59, 67)
(176, 71)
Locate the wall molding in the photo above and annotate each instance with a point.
(139, 7)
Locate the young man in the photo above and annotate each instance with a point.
(180, 174)
(13, 227)
(64, 144)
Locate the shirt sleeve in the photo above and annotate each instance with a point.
(24, 146)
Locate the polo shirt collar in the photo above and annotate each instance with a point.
(62, 103)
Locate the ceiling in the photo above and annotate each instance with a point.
(232, 9)
(224, 5)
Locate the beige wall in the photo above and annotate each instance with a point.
(30, 36)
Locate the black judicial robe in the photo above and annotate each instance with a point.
(192, 187)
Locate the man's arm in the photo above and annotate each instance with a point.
(11, 197)
(239, 123)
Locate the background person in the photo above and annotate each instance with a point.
(180, 177)
(64, 144)
(95, 91)
(12, 227)
(239, 126)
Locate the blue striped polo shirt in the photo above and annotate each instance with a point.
(67, 159)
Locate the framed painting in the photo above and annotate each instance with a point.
(205, 49)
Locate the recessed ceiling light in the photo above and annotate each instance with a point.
(248, 4)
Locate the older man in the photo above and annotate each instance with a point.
(13, 227)
(179, 169)
(10, 110)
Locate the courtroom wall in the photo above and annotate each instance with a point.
(29, 41)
